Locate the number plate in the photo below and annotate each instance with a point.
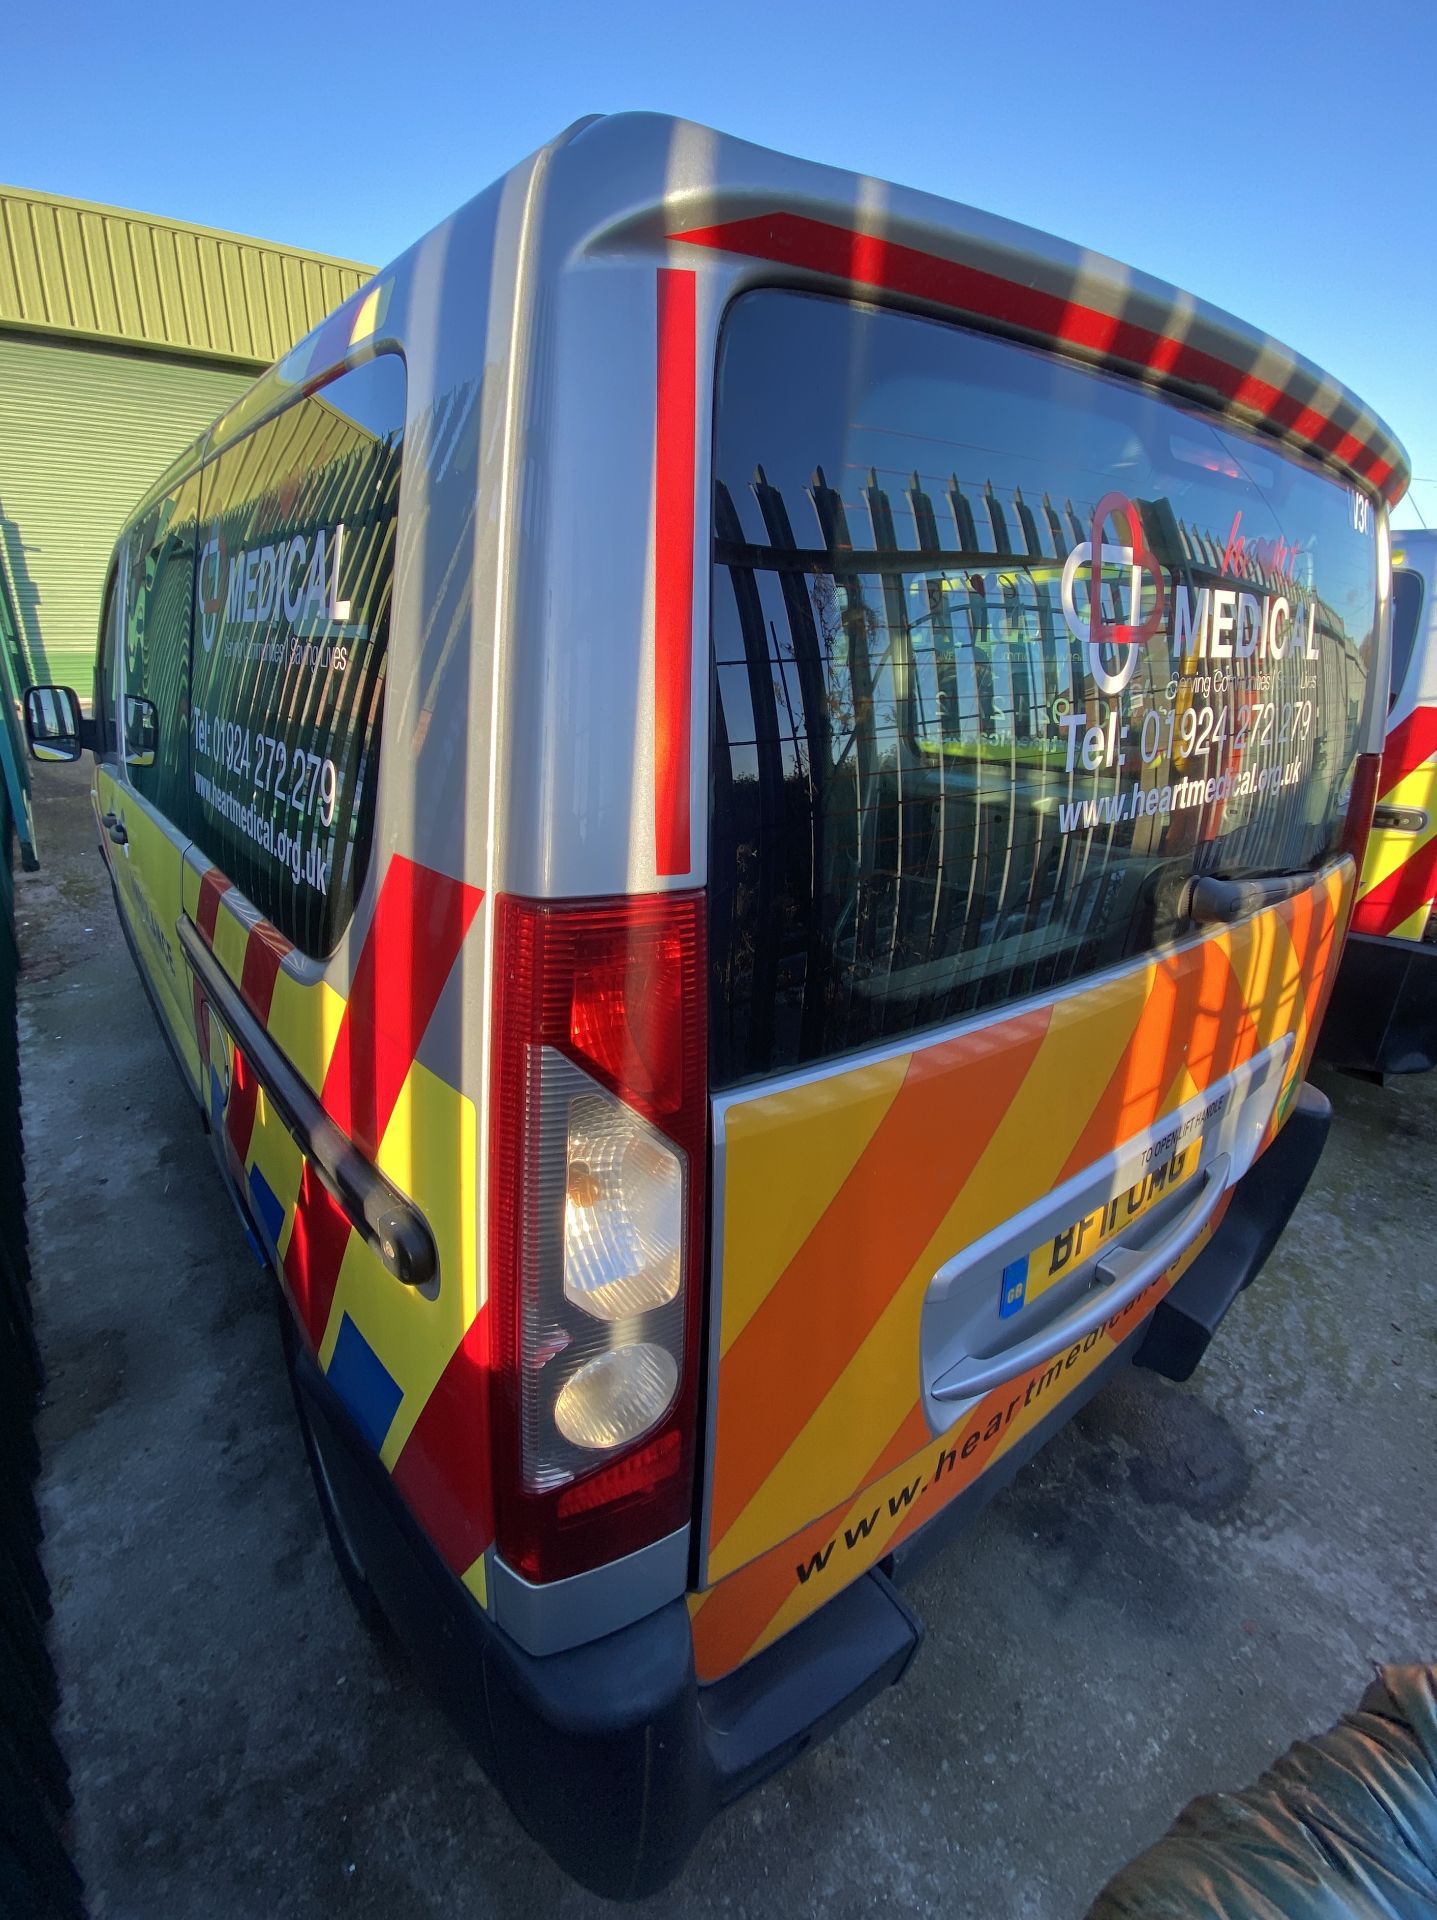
(1027, 1279)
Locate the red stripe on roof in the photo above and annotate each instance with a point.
(674, 469)
(865, 259)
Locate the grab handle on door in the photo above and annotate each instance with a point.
(1123, 1273)
(115, 827)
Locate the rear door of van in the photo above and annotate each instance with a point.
(1020, 672)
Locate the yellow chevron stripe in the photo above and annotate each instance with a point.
(804, 1597)
(230, 941)
(1386, 850)
(1030, 1144)
(430, 1151)
(304, 1020)
(477, 1581)
(1415, 925)
(822, 1140)
(1028, 1147)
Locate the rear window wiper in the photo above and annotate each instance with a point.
(1214, 901)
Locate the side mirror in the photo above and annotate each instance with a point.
(142, 732)
(53, 726)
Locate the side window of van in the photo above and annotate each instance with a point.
(159, 593)
(292, 596)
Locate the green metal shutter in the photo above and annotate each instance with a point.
(83, 433)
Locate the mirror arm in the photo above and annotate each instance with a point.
(89, 735)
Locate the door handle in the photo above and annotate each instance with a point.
(115, 827)
(1401, 819)
(1123, 1272)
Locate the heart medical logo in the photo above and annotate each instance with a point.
(1129, 551)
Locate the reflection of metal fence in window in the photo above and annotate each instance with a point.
(313, 466)
(899, 719)
(894, 748)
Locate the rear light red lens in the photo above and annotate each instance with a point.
(636, 1477)
(607, 996)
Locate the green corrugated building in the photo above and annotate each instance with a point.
(121, 337)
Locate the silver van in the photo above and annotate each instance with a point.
(738, 791)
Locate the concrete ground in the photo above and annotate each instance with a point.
(1187, 1579)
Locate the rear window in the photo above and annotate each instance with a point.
(1406, 612)
(945, 774)
(296, 564)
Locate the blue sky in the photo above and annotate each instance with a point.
(1273, 156)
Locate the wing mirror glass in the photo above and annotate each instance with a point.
(142, 732)
(53, 725)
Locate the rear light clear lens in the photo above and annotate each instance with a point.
(599, 1139)
(623, 1211)
(603, 1229)
(618, 1397)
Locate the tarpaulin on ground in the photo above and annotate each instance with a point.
(1343, 1827)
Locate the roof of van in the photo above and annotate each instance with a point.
(689, 192)
(941, 254)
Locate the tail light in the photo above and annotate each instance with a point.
(598, 1164)
(1361, 801)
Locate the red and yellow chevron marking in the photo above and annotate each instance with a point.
(1399, 874)
(842, 1197)
(359, 1054)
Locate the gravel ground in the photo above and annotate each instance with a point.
(1185, 1580)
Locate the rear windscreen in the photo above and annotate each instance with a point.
(955, 759)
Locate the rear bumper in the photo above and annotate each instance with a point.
(1383, 1013)
(612, 1754)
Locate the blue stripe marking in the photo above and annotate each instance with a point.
(267, 1204)
(364, 1383)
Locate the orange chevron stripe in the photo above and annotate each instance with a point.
(736, 1611)
(1138, 1084)
(765, 1599)
(826, 1458)
(1334, 911)
(778, 1371)
(1206, 1010)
